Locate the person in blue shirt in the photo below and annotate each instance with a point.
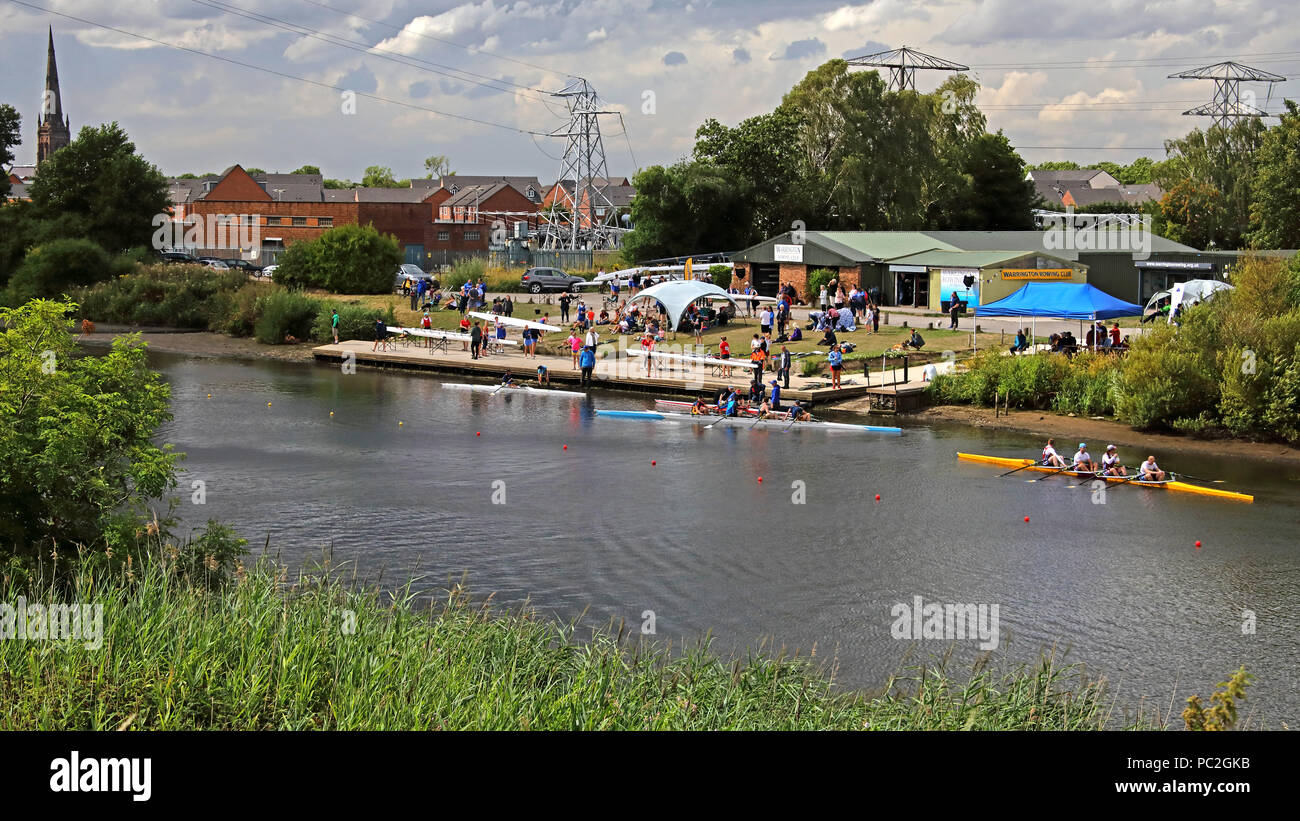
(837, 364)
(776, 396)
(587, 361)
(731, 408)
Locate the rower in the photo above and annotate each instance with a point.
(798, 413)
(1110, 465)
(506, 379)
(1050, 456)
(731, 408)
(1151, 472)
(1083, 460)
(700, 407)
(764, 410)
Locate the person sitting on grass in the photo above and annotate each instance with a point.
(829, 338)
(796, 335)
(914, 341)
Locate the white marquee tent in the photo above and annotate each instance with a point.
(677, 295)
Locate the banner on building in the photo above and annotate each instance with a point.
(787, 253)
(1038, 273)
(954, 279)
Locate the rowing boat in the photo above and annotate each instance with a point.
(685, 407)
(461, 386)
(1167, 484)
(740, 421)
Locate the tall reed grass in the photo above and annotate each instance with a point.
(266, 651)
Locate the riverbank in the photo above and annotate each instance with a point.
(1074, 429)
(204, 343)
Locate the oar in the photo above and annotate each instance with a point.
(498, 390)
(1045, 475)
(1032, 463)
(1197, 478)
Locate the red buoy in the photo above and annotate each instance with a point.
(478, 433)
(877, 497)
(1198, 545)
(653, 463)
(1026, 518)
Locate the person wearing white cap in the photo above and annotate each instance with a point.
(1110, 465)
(1083, 460)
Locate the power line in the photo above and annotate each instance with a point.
(365, 48)
(1144, 62)
(277, 73)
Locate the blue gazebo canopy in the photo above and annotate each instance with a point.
(1060, 300)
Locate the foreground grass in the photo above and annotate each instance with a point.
(264, 653)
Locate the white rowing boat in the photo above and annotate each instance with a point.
(696, 359)
(741, 421)
(491, 319)
(463, 386)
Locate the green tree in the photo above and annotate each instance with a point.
(349, 259)
(378, 176)
(97, 187)
(16, 236)
(1000, 197)
(1056, 165)
(437, 166)
(687, 208)
(1275, 211)
(11, 123)
(78, 459)
(307, 169)
(761, 152)
(252, 172)
(52, 269)
(339, 184)
(1207, 179)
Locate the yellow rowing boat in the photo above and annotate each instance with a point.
(1168, 484)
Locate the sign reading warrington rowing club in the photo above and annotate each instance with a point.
(1038, 273)
(787, 253)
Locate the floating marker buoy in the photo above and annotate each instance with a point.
(566, 447)
(268, 404)
(877, 497)
(760, 480)
(478, 433)
(1198, 545)
(653, 463)
(1026, 518)
(399, 424)
(331, 413)
(209, 396)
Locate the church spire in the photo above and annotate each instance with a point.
(54, 131)
(51, 104)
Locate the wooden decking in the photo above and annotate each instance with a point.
(613, 371)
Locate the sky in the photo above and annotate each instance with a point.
(474, 81)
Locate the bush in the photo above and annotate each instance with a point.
(283, 313)
(56, 268)
(172, 296)
(465, 270)
(355, 322)
(818, 278)
(721, 276)
(349, 259)
(239, 313)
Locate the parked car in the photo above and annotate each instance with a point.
(178, 258)
(244, 265)
(536, 280)
(268, 271)
(409, 272)
(215, 263)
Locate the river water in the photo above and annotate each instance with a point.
(410, 479)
